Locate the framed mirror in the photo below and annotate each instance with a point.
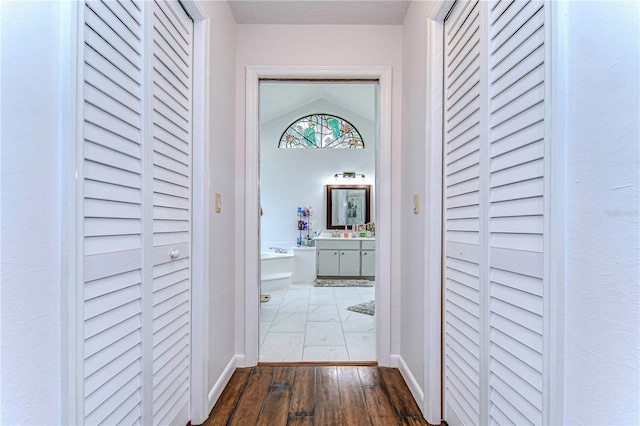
(347, 205)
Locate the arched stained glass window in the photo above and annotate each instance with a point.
(321, 131)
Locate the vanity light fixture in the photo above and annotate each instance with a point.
(348, 175)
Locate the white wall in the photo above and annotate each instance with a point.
(602, 331)
(291, 178)
(342, 45)
(414, 91)
(35, 61)
(222, 146)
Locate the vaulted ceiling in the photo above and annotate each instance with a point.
(309, 12)
(277, 98)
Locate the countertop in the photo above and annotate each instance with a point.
(346, 239)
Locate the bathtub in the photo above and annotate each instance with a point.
(276, 270)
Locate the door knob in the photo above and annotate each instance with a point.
(175, 254)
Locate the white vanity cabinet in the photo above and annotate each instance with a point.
(368, 258)
(345, 258)
(349, 263)
(328, 262)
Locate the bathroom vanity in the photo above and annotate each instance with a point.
(345, 257)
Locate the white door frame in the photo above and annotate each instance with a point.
(200, 203)
(432, 401)
(383, 197)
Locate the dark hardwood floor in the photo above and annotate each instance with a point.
(316, 395)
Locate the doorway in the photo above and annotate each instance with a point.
(251, 276)
(316, 135)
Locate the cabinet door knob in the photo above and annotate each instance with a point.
(175, 254)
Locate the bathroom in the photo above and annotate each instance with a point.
(293, 311)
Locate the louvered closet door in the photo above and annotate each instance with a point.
(171, 88)
(112, 252)
(462, 194)
(516, 202)
(494, 214)
(135, 213)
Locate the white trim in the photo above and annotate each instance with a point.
(432, 402)
(62, 245)
(251, 222)
(394, 361)
(412, 383)
(554, 214)
(71, 290)
(439, 10)
(217, 388)
(201, 188)
(250, 263)
(383, 218)
(196, 10)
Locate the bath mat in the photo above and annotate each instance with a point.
(368, 308)
(342, 283)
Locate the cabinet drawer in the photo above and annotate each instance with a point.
(337, 244)
(368, 245)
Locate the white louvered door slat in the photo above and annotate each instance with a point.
(136, 212)
(112, 212)
(494, 214)
(171, 48)
(462, 213)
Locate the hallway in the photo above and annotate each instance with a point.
(129, 222)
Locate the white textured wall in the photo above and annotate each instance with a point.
(291, 178)
(602, 340)
(222, 146)
(327, 45)
(414, 90)
(33, 61)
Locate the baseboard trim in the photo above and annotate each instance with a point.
(222, 381)
(394, 360)
(320, 364)
(412, 383)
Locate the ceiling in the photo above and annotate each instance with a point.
(329, 12)
(277, 98)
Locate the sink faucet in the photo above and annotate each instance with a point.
(278, 249)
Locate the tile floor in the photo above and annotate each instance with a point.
(306, 323)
